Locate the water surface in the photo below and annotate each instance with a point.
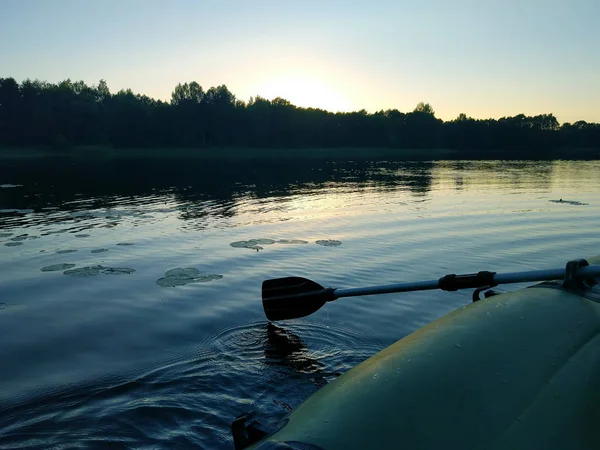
(94, 352)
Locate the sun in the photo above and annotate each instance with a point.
(306, 91)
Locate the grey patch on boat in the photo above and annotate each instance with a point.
(92, 271)
(82, 235)
(291, 241)
(57, 267)
(8, 185)
(5, 235)
(123, 244)
(99, 250)
(569, 202)
(63, 252)
(13, 244)
(329, 242)
(180, 277)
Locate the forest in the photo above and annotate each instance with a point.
(71, 114)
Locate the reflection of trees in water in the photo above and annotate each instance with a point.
(462, 174)
(201, 189)
(284, 348)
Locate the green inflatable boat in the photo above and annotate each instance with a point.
(519, 370)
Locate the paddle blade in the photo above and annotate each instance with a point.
(293, 297)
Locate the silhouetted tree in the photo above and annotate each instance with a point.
(72, 113)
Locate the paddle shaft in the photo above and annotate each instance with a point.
(498, 278)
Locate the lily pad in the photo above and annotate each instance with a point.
(569, 202)
(243, 244)
(188, 272)
(117, 271)
(291, 241)
(99, 250)
(92, 271)
(62, 252)
(254, 244)
(329, 242)
(264, 241)
(13, 244)
(125, 244)
(57, 267)
(83, 272)
(180, 277)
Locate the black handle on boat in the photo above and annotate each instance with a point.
(295, 297)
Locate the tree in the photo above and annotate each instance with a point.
(424, 108)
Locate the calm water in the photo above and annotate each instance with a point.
(114, 359)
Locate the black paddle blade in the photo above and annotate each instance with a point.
(293, 297)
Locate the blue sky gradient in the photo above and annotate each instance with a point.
(483, 58)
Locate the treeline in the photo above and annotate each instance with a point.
(37, 113)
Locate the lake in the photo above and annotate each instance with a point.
(104, 344)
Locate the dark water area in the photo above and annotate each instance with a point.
(97, 352)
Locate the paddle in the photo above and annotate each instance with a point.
(295, 297)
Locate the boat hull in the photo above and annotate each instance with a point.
(519, 370)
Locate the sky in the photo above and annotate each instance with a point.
(485, 59)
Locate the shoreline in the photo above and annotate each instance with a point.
(298, 153)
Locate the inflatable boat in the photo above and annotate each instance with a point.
(519, 370)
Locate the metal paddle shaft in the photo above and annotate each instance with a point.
(294, 297)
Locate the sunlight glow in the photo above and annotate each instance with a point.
(305, 91)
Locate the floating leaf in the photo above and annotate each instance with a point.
(188, 272)
(13, 244)
(99, 250)
(124, 244)
(180, 277)
(291, 241)
(329, 242)
(57, 267)
(62, 252)
(92, 271)
(83, 272)
(243, 244)
(569, 202)
(117, 271)
(264, 241)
